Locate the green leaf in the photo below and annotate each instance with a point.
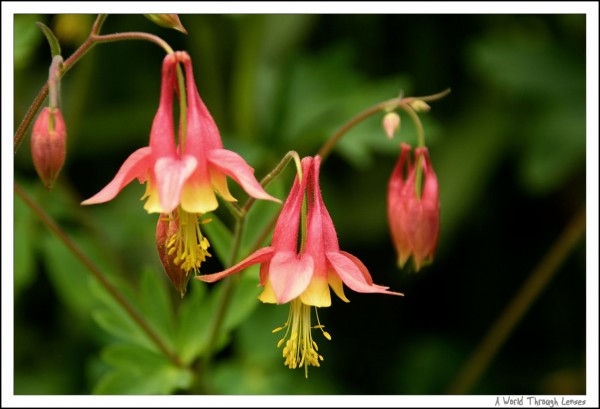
(52, 40)
(261, 214)
(116, 321)
(193, 322)
(140, 371)
(26, 39)
(220, 238)
(156, 305)
(67, 273)
(26, 245)
(244, 298)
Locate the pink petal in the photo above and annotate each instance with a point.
(162, 133)
(203, 133)
(290, 275)
(171, 174)
(259, 256)
(319, 216)
(353, 276)
(135, 166)
(285, 234)
(234, 166)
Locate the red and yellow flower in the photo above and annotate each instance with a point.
(302, 273)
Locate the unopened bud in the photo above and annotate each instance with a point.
(420, 105)
(48, 145)
(166, 228)
(391, 123)
(167, 21)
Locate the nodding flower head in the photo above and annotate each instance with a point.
(300, 271)
(187, 174)
(414, 209)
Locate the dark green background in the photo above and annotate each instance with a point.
(508, 146)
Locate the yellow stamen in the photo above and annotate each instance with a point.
(187, 243)
(300, 349)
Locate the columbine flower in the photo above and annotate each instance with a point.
(160, 164)
(301, 273)
(48, 145)
(203, 142)
(414, 220)
(189, 174)
(181, 180)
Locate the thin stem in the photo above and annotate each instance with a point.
(273, 174)
(182, 107)
(54, 82)
(97, 26)
(93, 39)
(331, 142)
(418, 124)
(225, 299)
(516, 309)
(98, 274)
(133, 35)
(384, 106)
(420, 142)
(430, 98)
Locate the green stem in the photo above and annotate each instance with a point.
(133, 35)
(384, 106)
(420, 143)
(273, 174)
(233, 256)
(418, 124)
(93, 39)
(519, 305)
(182, 107)
(98, 274)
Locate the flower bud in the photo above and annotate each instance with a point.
(167, 21)
(391, 123)
(414, 219)
(48, 145)
(166, 229)
(420, 105)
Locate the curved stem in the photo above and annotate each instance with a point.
(330, 143)
(516, 309)
(133, 35)
(273, 174)
(93, 39)
(418, 124)
(98, 274)
(97, 26)
(420, 142)
(384, 106)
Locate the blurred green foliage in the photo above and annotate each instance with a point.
(508, 146)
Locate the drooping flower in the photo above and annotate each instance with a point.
(159, 165)
(214, 163)
(302, 273)
(186, 175)
(49, 145)
(414, 218)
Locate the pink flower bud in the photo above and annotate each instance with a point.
(414, 219)
(391, 123)
(48, 145)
